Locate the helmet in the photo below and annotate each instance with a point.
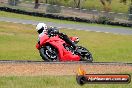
(41, 27)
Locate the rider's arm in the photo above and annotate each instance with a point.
(53, 31)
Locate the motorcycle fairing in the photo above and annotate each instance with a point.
(64, 55)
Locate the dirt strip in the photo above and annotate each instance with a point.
(32, 69)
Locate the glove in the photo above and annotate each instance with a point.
(53, 31)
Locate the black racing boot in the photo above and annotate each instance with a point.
(67, 40)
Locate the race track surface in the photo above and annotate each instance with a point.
(114, 30)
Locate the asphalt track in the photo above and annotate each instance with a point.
(114, 30)
(60, 63)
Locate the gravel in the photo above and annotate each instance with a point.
(32, 69)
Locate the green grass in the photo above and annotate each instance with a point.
(116, 6)
(27, 17)
(51, 82)
(17, 42)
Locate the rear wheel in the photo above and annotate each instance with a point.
(49, 53)
(84, 54)
(88, 57)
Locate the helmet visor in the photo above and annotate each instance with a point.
(41, 30)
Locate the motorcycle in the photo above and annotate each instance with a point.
(53, 48)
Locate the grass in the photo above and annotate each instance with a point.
(27, 17)
(51, 82)
(116, 6)
(17, 42)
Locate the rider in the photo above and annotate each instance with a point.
(42, 29)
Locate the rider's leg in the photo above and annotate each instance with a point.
(68, 41)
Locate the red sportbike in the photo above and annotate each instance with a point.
(55, 49)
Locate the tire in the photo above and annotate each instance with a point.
(49, 53)
(84, 54)
(89, 57)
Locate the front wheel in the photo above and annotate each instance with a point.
(49, 53)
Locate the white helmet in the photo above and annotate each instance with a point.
(41, 27)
